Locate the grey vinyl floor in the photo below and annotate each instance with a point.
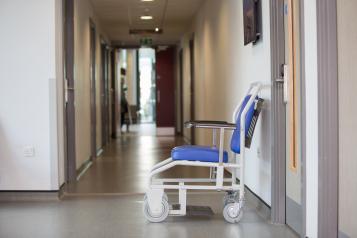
(125, 164)
(121, 216)
(105, 202)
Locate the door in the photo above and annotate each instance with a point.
(104, 95)
(93, 113)
(70, 129)
(292, 99)
(113, 94)
(165, 87)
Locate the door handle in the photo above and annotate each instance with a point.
(66, 90)
(284, 80)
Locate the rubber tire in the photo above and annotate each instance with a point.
(228, 217)
(156, 218)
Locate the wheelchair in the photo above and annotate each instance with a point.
(156, 203)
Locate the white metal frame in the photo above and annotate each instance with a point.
(156, 189)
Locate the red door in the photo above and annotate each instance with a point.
(165, 91)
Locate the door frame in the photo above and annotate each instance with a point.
(70, 118)
(192, 87)
(328, 109)
(303, 114)
(93, 109)
(180, 94)
(138, 93)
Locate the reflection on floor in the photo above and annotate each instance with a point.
(124, 166)
(96, 209)
(121, 217)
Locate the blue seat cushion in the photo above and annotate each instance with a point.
(198, 153)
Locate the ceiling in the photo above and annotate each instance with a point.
(172, 16)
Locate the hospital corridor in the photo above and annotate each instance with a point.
(178, 118)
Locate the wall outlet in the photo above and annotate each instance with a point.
(29, 151)
(259, 153)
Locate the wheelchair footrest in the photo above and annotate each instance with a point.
(195, 210)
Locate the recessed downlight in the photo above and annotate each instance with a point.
(146, 17)
(157, 29)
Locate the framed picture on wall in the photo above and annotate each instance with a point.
(251, 21)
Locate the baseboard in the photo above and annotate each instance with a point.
(165, 131)
(29, 196)
(342, 235)
(263, 209)
(100, 152)
(83, 169)
(187, 140)
(294, 219)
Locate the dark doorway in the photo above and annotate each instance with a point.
(70, 129)
(113, 94)
(93, 113)
(192, 88)
(165, 86)
(104, 94)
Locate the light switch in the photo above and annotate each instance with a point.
(29, 151)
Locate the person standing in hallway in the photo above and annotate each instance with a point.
(124, 108)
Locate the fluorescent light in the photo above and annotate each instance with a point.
(146, 17)
(147, 0)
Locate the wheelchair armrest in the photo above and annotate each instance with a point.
(210, 124)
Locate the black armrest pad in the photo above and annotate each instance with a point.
(210, 124)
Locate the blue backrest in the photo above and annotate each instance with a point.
(235, 141)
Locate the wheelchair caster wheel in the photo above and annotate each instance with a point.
(164, 197)
(230, 197)
(231, 214)
(157, 217)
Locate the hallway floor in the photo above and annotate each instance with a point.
(121, 217)
(107, 201)
(124, 166)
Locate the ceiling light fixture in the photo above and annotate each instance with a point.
(147, 0)
(157, 29)
(146, 17)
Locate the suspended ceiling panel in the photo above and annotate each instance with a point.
(117, 17)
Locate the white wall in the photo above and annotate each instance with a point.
(83, 13)
(347, 51)
(28, 95)
(58, 119)
(311, 118)
(131, 78)
(224, 68)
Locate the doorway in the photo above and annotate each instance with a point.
(165, 88)
(147, 85)
(104, 94)
(292, 99)
(288, 188)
